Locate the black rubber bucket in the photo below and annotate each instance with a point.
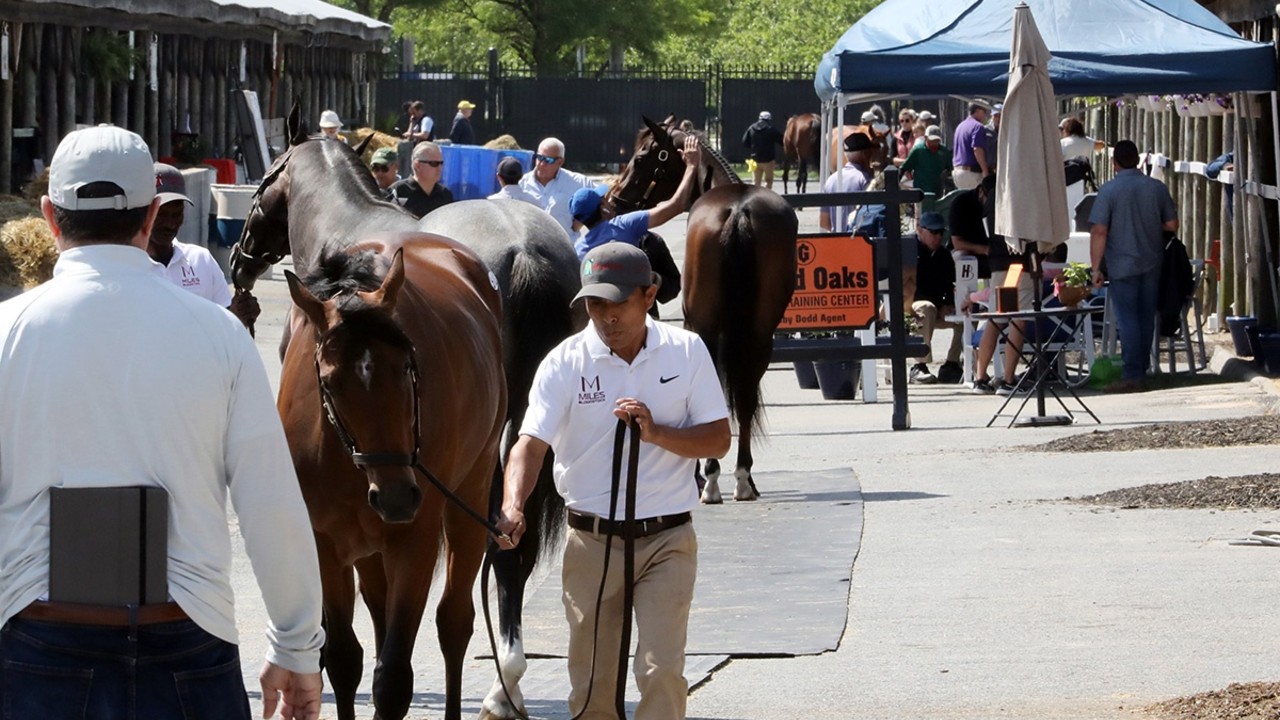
(838, 379)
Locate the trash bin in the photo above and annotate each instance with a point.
(1269, 344)
(1239, 326)
(232, 205)
(838, 379)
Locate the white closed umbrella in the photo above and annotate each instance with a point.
(1031, 194)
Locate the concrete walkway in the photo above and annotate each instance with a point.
(977, 592)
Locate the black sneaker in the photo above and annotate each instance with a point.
(921, 376)
(950, 373)
(982, 386)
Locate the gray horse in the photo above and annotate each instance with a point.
(537, 271)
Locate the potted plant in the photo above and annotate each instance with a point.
(1074, 284)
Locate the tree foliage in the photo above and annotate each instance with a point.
(546, 34)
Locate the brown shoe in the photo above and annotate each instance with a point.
(1131, 385)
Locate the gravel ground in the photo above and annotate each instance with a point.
(1238, 701)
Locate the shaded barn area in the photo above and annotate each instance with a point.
(167, 70)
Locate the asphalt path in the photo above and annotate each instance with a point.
(977, 591)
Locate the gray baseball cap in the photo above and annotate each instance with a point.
(170, 184)
(102, 154)
(613, 271)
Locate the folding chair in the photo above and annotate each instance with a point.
(1181, 340)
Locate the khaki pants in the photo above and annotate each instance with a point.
(765, 169)
(930, 320)
(666, 566)
(965, 179)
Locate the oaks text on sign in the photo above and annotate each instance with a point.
(835, 284)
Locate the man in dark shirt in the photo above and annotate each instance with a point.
(422, 192)
(972, 212)
(762, 140)
(935, 299)
(462, 133)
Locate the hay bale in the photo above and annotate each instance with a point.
(503, 142)
(38, 187)
(27, 253)
(380, 140)
(16, 207)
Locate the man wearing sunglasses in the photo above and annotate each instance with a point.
(551, 185)
(383, 167)
(422, 192)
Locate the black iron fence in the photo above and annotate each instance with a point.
(598, 114)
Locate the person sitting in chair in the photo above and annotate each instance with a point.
(935, 299)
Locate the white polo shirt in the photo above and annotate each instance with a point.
(571, 409)
(554, 196)
(193, 269)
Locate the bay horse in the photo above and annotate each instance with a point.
(801, 144)
(396, 367)
(538, 275)
(739, 273)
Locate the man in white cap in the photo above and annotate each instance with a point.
(330, 124)
(762, 140)
(188, 266)
(969, 149)
(113, 378)
(927, 162)
(659, 379)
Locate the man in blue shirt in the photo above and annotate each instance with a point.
(631, 227)
(1129, 218)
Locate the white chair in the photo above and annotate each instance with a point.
(966, 283)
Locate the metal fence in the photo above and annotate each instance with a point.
(597, 115)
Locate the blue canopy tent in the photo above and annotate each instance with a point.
(1099, 47)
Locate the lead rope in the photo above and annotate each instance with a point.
(628, 591)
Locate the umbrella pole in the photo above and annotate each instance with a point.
(1031, 260)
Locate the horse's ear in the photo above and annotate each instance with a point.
(360, 148)
(310, 306)
(385, 296)
(656, 129)
(293, 126)
(671, 123)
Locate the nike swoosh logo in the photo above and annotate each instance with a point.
(664, 381)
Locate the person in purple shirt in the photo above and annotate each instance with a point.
(969, 150)
(630, 227)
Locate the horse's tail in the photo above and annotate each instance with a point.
(740, 280)
(539, 318)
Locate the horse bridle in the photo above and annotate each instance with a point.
(659, 174)
(365, 459)
(238, 252)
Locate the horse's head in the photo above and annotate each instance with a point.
(655, 169)
(367, 373)
(264, 240)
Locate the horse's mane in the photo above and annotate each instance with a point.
(341, 275)
(720, 161)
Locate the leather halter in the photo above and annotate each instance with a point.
(238, 253)
(364, 459)
(659, 174)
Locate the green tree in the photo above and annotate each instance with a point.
(385, 10)
(767, 32)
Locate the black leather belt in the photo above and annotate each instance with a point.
(102, 615)
(644, 528)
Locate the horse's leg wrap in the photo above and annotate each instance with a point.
(746, 489)
(711, 491)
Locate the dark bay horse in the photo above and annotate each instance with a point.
(396, 363)
(739, 273)
(538, 275)
(802, 145)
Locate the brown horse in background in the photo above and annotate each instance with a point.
(739, 272)
(396, 365)
(801, 144)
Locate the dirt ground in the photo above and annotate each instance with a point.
(1238, 701)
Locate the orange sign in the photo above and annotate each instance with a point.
(835, 284)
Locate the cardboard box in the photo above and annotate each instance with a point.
(109, 546)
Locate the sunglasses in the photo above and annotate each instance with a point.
(380, 168)
(432, 163)
(546, 159)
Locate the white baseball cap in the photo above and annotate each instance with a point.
(765, 115)
(102, 154)
(869, 117)
(330, 119)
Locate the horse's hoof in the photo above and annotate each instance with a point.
(711, 493)
(746, 489)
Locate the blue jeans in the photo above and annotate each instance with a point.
(167, 671)
(1135, 300)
